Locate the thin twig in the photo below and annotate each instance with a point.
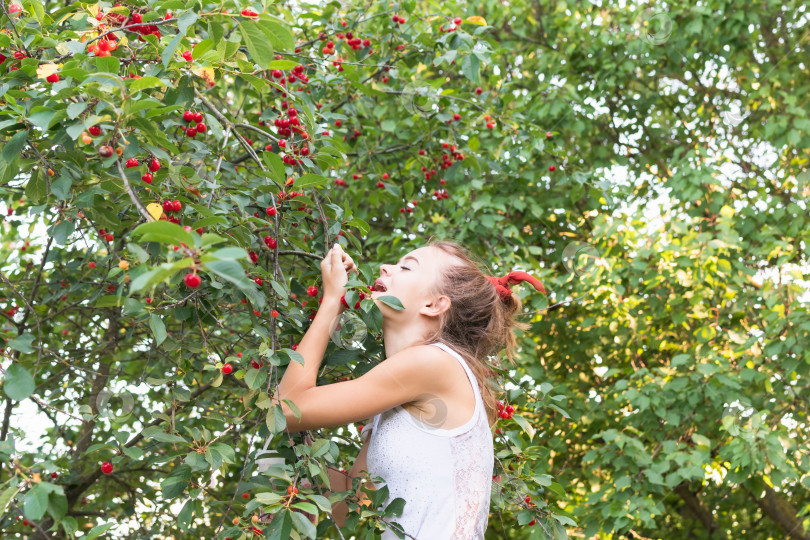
(135, 200)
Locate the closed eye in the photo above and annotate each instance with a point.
(404, 267)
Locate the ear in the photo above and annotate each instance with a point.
(436, 307)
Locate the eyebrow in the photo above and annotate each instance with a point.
(411, 257)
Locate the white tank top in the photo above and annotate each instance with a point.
(444, 475)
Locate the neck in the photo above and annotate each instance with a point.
(398, 337)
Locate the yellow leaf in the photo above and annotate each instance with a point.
(155, 210)
(44, 70)
(206, 73)
(36, 477)
(124, 265)
(475, 19)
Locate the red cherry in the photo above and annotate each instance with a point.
(168, 206)
(191, 132)
(148, 300)
(91, 265)
(52, 78)
(479, 90)
(53, 474)
(227, 368)
(188, 116)
(548, 134)
(338, 123)
(245, 495)
(95, 131)
(109, 237)
(532, 522)
(270, 241)
(147, 177)
(192, 281)
(552, 168)
(177, 206)
(271, 211)
(312, 290)
(187, 56)
(132, 162)
(15, 8)
(201, 128)
(106, 467)
(254, 256)
(274, 313)
(258, 281)
(198, 117)
(105, 151)
(154, 165)
(380, 184)
(457, 21)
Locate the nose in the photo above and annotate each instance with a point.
(385, 269)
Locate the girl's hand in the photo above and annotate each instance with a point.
(335, 268)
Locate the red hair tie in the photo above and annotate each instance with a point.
(503, 284)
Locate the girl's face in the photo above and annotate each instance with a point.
(413, 277)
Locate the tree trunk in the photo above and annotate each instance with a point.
(779, 510)
(696, 508)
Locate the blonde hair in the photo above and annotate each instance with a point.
(478, 324)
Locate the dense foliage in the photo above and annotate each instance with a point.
(174, 171)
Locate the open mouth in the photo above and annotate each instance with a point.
(378, 286)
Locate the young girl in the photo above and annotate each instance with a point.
(430, 399)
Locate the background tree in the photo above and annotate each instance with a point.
(174, 171)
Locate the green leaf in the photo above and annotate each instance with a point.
(35, 502)
(108, 64)
(523, 423)
(391, 301)
(8, 494)
(75, 109)
(279, 36)
(282, 64)
(98, 530)
(18, 383)
(275, 420)
(304, 525)
(185, 20)
(37, 187)
(158, 328)
(163, 232)
(255, 378)
(470, 66)
(257, 43)
(176, 482)
(157, 433)
(309, 180)
(276, 166)
(184, 516)
(168, 52)
(22, 343)
(14, 145)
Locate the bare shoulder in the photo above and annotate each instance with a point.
(430, 364)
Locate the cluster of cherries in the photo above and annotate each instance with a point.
(172, 207)
(134, 22)
(108, 236)
(456, 22)
(196, 117)
(505, 411)
(356, 305)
